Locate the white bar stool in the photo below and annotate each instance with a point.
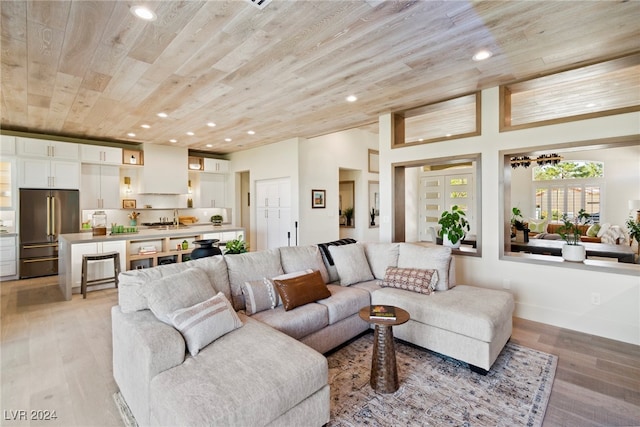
(115, 256)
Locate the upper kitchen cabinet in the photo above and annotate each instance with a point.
(165, 170)
(44, 173)
(7, 145)
(97, 154)
(100, 187)
(50, 149)
(216, 165)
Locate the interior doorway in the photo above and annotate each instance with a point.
(245, 205)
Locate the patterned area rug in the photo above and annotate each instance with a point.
(436, 390)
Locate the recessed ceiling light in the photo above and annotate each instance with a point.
(448, 135)
(352, 98)
(131, 134)
(250, 132)
(211, 124)
(173, 140)
(190, 133)
(590, 105)
(228, 139)
(143, 12)
(209, 145)
(481, 55)
(163, 115)
(145, 126)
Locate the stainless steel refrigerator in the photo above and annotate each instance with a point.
(45, 214)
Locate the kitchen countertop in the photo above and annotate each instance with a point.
(148, 233)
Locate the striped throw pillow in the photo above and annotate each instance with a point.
(205, 322)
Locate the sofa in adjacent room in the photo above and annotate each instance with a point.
(238, 339)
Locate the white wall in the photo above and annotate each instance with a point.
(550, 294)
(321, 159)
(312, 164)
(278, 160)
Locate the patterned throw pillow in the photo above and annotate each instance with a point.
(259, 295)
(205, 322)
(411, 279)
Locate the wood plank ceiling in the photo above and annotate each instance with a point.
(90, 69)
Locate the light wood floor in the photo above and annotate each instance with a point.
(56, 355)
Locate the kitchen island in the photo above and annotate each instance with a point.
(144, 249)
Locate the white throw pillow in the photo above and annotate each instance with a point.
(176, 291)
(351, 264)
(205, 322)
(603, 229)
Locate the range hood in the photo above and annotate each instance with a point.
(165, 170)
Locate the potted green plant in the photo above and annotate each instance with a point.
(570, 231)
(519, 228)
(216, 219)
(236, 246)
(453, 223)
(634, 231)
(348, 213)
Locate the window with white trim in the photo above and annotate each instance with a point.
(568, 187)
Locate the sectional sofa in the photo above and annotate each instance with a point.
(238, 339)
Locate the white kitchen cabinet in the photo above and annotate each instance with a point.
(100, 187)
(98, 154)
(50, 149)
(96, 269)
(7, 145)
(213, 189)
(44, 173)
(216, 165)
(8, 259)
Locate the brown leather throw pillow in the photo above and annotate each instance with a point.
(302, 290)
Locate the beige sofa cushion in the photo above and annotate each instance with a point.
(427, 257)
(235, 380)
(298, 258)
(345, 301)
(380, 256)
(131, 295)
(475, 312)
(351, 263)
(176, 291)
(297, 323)
(250, 266)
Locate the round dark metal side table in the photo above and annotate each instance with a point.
(384, 371)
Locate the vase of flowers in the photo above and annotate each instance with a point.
(133, 218)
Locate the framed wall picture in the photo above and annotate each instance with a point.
(129, 203)
(318, 199)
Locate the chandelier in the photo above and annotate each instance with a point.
(544, 159)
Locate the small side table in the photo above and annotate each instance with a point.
(384, 371)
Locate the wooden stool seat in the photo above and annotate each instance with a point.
(115, 256)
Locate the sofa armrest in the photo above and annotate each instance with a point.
(143, 347)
